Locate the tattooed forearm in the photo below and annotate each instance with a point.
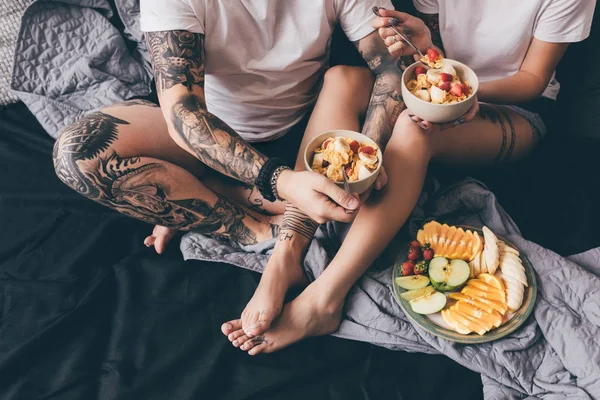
(178, 61)
(135, 186)
(214, 143)
(296, 222)
(386, 99)
(433, 23)
(384, 109)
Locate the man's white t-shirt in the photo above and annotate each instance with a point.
(264, 59)
(493, 36)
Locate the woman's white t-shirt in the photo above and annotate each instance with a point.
(263, 58)
(493, 36)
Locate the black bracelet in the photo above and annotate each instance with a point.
(263, 181)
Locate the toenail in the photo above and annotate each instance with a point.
(231, 336)
(227, 326)
(235, 341)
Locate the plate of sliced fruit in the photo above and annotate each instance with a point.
(464, 284)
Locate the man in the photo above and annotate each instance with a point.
(227, 74)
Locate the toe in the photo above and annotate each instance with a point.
(234, 335)
(258, 323)
(231, 326)
(149, 241)
(160, 244)
(258, 349)
(241, 341)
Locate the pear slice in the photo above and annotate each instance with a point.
(504, 248)
(490, 250)
(514, 271)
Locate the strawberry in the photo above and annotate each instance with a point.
(421, 267)
(446, 77)
(326, 143)
(414, 243)
(456, 90)
(407, 268)
(420, 70)
(428, 252)
(354, 145)
(367, 150)
(414, 253)
(445, 86)
(432, 55)
(348, 170)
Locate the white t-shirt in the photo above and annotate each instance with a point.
(264, 59)
(493, 36)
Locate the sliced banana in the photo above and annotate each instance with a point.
(341, 146)
(368, 159)
(433, 76)
(438, 95)
(363, 172)
(449, 69)
(318, 160)
(423, 94)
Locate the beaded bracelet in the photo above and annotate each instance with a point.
(266, 182)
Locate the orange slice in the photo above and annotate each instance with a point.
(478, 293)
(493, 319)
(477, 245)
(452, 323)
(481, 285)
(462, 319)
(466, 246)
(431, 232)
(421, 237)
(470, 300)
(448, 242)
(441, 241)
(492, 281)
(456, 241)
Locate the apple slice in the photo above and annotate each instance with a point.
(448, 275)
(418, 293)
(412, 282)
(429, 304)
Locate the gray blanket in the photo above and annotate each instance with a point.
(70, 60)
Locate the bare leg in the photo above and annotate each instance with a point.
(343, 99)
(123, 158)
(497, 134)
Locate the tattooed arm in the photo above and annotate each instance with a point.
(386, 100)
(178, 63)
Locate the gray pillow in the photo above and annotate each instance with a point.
(10, 17)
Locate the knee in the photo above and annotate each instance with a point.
(407, 133)
(350, 83)
(74, 155)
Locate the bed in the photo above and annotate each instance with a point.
(88, 312)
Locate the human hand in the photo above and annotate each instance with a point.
(320, 198)
(414, 28)
(431, 127)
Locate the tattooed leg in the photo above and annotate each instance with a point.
(93, 156)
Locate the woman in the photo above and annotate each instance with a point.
(514, 47)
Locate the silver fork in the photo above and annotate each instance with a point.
(392, 27)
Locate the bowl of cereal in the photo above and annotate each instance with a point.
(439, 91)
(332, 152)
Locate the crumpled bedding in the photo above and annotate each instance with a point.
(70, 59)
(556, 353)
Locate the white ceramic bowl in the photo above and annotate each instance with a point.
(359, 186)
(439, 113)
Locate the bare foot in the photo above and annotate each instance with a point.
(161, 236)
(303, 317)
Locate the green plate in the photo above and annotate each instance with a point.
(509, 327)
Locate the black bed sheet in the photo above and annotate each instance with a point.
(87, 312)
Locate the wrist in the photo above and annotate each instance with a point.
(266, 182)
(282, 184)
(289, 247)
